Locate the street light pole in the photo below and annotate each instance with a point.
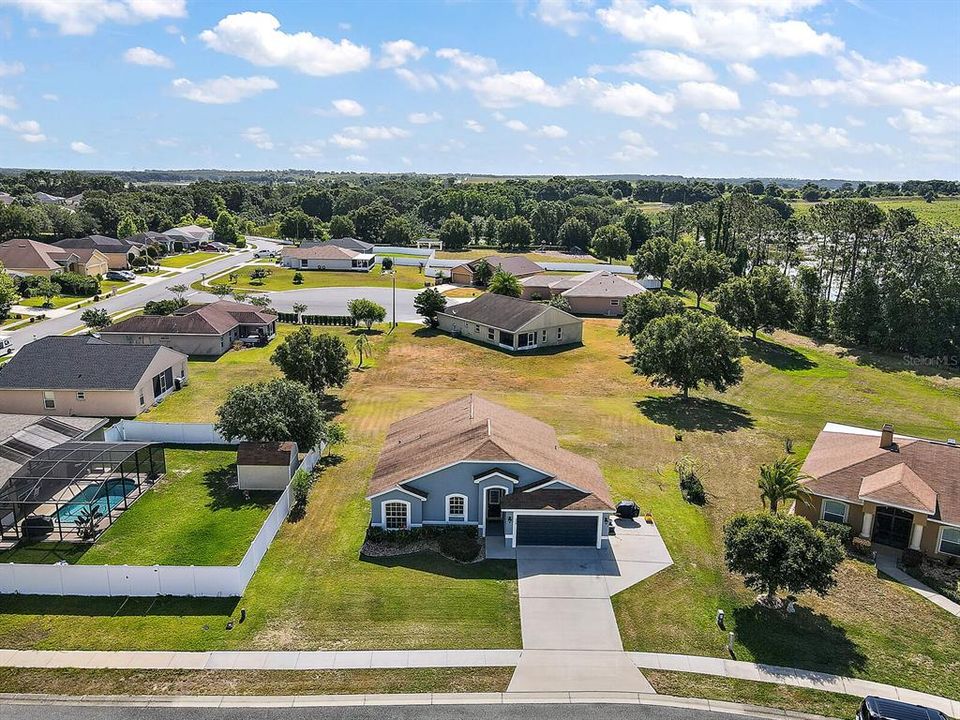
(394, 273)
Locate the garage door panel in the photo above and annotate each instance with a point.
(556, 530)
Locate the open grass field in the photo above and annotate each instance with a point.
(281, 278)
(191, 517)
(179, 261)
(945, 210)
(312, 590)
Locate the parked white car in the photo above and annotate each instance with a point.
(265, 254)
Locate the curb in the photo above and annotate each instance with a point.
(301, 701)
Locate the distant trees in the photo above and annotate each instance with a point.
(764, 299)
(638, 227)
(273, 411)
(687, 350)
(455, 233)
(774, 552)
(694, 268)
(341, 226)
(482, 273)
(611, 241)
(574, 233)
(8, 293)
(428, 303)
(318, 204)
(225, 229)
(654, 258)
(297, 225)
(396, 231)
(127, 227)
(516, 234)
(366, 311)
(504, 283)
(318, 361)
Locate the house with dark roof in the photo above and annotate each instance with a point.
(511, 323)
(600, 292)
(348, 243)
(893, 490)
(326, 256)
(86, 376)
(119, 253)
(474, 462)
(201, 329)
(36, 258)
(516, 265)
(189, 237)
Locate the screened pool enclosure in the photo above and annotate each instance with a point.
(75, 490)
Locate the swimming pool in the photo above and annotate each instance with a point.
(105, 497)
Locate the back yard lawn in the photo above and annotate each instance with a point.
(281, 278)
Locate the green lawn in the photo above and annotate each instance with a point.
(107, 285)
(476, 254)
(945, 209)
(179, 261)
(191, 517)
(281, 278)
(58, 302)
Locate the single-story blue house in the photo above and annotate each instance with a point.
(473, 462)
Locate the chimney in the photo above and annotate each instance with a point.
(886, 436)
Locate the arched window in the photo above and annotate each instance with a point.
(456, 508)
(396, 515)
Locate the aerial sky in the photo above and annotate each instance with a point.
(853, 89)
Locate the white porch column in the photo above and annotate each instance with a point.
(915, 536)
(599, 530)
(867, 529)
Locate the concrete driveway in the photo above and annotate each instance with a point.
(570, 636)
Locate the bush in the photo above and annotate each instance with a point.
(457, 543)
(840, 532)
(298, 278)
(300, 493)
(77, 285)
(163, 307)
(460, 544)
(690, 484)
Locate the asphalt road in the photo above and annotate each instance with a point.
(333, 300)
(404, 712)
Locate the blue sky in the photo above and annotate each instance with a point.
(858, 89)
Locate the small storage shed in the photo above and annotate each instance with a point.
(266, 465)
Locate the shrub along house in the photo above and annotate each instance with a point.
(209, 329)
(473, 462)
(893, 490)
(511, 324)
(326, 257)
(86, 376)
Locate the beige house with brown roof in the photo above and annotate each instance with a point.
(516, 265)
(326, 257)
(600, 292)
(474, 462)
(892, 489)
(37, 258)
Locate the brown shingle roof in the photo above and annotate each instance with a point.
(914, 474)
(217, 318)
(514, 264)
(28, 255)
(319, 252)
(265, 453)
(553, 500)
(473, 429)
(500, 311)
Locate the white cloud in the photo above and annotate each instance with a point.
(632, 100)
(554, 132)
(348, 107)
(733, 30)
(81, 147)
(663, 66)
(357, 158)
(11, 68)
(418, 81)
(474, 126)
(368, 132)
(309, 149)
(50, 97)
(516, 125)
(509, 89)
(222, 90)
(8, 102)
(422, 118)
(708, 96)
(854, 121)
(915, 122)
(530, 148)
(258, 137)
(257, 38)
(347, 142)
(561, 14)
(468, 62)
(742, 72)
(34, 137)
(83, 18)
(28, 130)
(635, 147)
(399, 52)
(167, 142)
(146, 56)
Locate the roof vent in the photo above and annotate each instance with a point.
(886, 436)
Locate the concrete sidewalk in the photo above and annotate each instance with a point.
(887, 564)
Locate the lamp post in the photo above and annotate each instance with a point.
(394, 274)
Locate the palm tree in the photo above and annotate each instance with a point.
(504, 283)
(361, 345)
(780, 481)
(178, 291)
(299, 309)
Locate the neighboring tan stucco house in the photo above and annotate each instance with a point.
(83, 375)
(119, 253)
(209, 329)
(892, 489)
(600, 292)
(516, 265)
(326, 257)
(473, 462)
(510, 323)
(37, 258)
(266, 465)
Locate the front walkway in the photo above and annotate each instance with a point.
(571, 641)
(887, 564)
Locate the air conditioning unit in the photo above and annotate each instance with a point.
(180, 383)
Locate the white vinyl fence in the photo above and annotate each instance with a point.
(172, 433)
(153, 580)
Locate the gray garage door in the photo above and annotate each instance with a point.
(556, 530)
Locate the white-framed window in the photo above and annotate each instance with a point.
(81, 395)
(559, 333)
(456, 508)
(476, 328)
(543, 337)
(949, 542)
(396, 515)
(490, 334)
(141, 396)
(615, 302)
(49, 400)
(834, 511)
(304, 264)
